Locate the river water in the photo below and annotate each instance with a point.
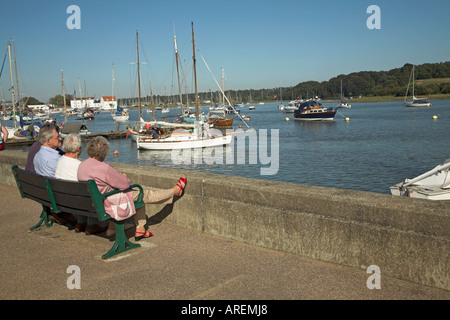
(382, 144)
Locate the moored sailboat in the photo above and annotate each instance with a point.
(179, 136)
(120, 114)
(415, 102)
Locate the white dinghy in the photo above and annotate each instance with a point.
(432, 185)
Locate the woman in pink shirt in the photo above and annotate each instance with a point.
(121, 206)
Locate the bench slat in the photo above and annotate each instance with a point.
(72, 201)
(30, 178)
(69, 187)
(36, 192)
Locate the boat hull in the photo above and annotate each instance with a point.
(121, 118)
(182, 143)
(421, 192)
(323, 116)
(417, 104)
(221, 122)
(289, 109)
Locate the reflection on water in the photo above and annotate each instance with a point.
(382, 144)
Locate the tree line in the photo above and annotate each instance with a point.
(376, 83)
(364, 83)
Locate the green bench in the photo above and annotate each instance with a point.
(78, 198)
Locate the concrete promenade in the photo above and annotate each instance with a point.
(175, 264)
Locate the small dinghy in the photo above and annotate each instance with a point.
(432, 185)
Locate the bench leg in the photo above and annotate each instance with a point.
(121, 244)
(45, 217)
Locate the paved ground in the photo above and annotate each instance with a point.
(175, 264)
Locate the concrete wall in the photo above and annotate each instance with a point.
(406, 238)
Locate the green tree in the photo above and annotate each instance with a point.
(59, 100)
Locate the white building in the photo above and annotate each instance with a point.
(39, 107)
(108, 103)
(82, 103)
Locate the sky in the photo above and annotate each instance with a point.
(259, 43)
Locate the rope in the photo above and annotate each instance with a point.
(221, 90)
(340, 113)
(4, 59)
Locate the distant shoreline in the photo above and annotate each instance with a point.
(390, 98)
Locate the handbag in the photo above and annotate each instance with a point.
(120, 206)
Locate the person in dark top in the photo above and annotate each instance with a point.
(61, 218)
(36, 146)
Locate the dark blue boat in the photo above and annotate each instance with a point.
(312, 111)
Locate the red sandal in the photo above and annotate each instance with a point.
(142, 235)
(179, 184)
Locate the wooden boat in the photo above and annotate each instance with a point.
(219, 121)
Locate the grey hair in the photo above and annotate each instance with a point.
(46, 132)
(72, 143)
(98, 148)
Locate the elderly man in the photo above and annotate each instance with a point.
(36, 146)
(47, 157)
(46, 160)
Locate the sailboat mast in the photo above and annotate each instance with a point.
(178, 72)
(139, 76)
(195, 72)
(64, 95)
(85, 97)
(223, 92)
(12, 87)
(186, 86)
(151, 98)
(17, 78)
(112, 86)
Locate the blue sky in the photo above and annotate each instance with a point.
(260, 43)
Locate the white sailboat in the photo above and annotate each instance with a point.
(432, 185)
(187, 136)
(13, 133)
(415, 102)
(120, 114)
(343, 103)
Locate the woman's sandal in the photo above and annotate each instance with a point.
(179, 184)
(139, 235)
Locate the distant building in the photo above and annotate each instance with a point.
(39, 107)
(82, 103)
(108, 103)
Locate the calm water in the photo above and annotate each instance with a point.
(382, 144)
